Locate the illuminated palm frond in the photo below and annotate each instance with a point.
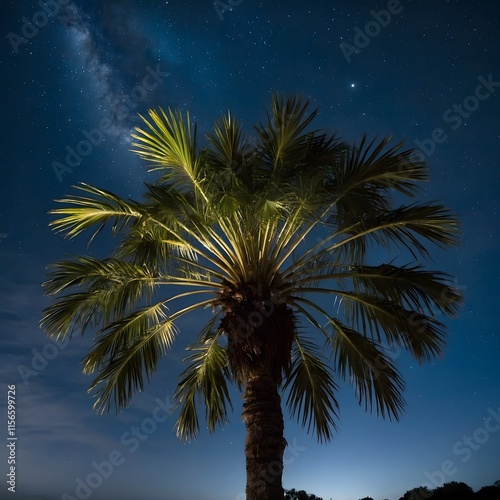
(206, 377)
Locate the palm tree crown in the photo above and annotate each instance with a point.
(272, 235)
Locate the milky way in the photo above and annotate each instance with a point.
(115, 54)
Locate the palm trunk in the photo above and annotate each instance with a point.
(265, 444)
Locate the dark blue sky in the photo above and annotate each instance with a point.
(71, 91)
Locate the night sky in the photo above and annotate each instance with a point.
(71, 91)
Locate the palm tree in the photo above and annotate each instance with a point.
(276, 237)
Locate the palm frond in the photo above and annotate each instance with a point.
(160, 236)
(205, 377)
(410, 286)
(191, 230)
(359, 360)
(365, 174)
(311, 387)
(126, 354)
(150, 244)
(170, 146)
(87, 211)
(225, 157)
(95, 274)
(300, 221)
(73, 312)
(111, 289)
(371, 167)
(118, 335)
(404, 227)
(420, 333)
(284, 140)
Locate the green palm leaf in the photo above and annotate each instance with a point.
(405, 227)
(369, 369)
(420, 333)
(170, 146)
(96, 274)
(410, 286)
(89, 211)
(76, 311)
(205, 377)
(311, 387)
(127, 353)
(226, 155)
(113, 288)
(284, 139)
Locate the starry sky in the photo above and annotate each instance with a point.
(74, 78)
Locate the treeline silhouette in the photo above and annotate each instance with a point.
(449, 491)
(299, 495)
(454, 491)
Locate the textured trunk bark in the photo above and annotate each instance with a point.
(265, 443)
